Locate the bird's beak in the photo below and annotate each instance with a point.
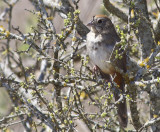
(91, 23)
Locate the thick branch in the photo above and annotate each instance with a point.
(157, 31)
(144, 29)
(115, 11)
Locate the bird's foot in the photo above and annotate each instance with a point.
(100, 75)
(96, 70)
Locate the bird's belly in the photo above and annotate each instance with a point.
(99, 55)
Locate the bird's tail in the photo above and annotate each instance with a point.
(122, 107)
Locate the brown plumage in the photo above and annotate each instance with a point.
(100, 43)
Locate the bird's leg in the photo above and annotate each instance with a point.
(96, 69)
(97, 72)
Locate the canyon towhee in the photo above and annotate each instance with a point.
(101, 41)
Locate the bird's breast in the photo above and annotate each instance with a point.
(99, 53)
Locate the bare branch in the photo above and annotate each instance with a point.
(149, 123)
(115, 11)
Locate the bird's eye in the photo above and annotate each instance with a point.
(100, 21)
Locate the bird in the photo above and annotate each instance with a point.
(101, 41)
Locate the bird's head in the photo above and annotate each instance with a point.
(101, 24)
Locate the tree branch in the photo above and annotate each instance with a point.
(149, 123)
(115, 11)
(157, 31)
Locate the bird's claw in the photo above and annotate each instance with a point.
(96, 69)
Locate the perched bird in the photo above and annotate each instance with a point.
(100, 43)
